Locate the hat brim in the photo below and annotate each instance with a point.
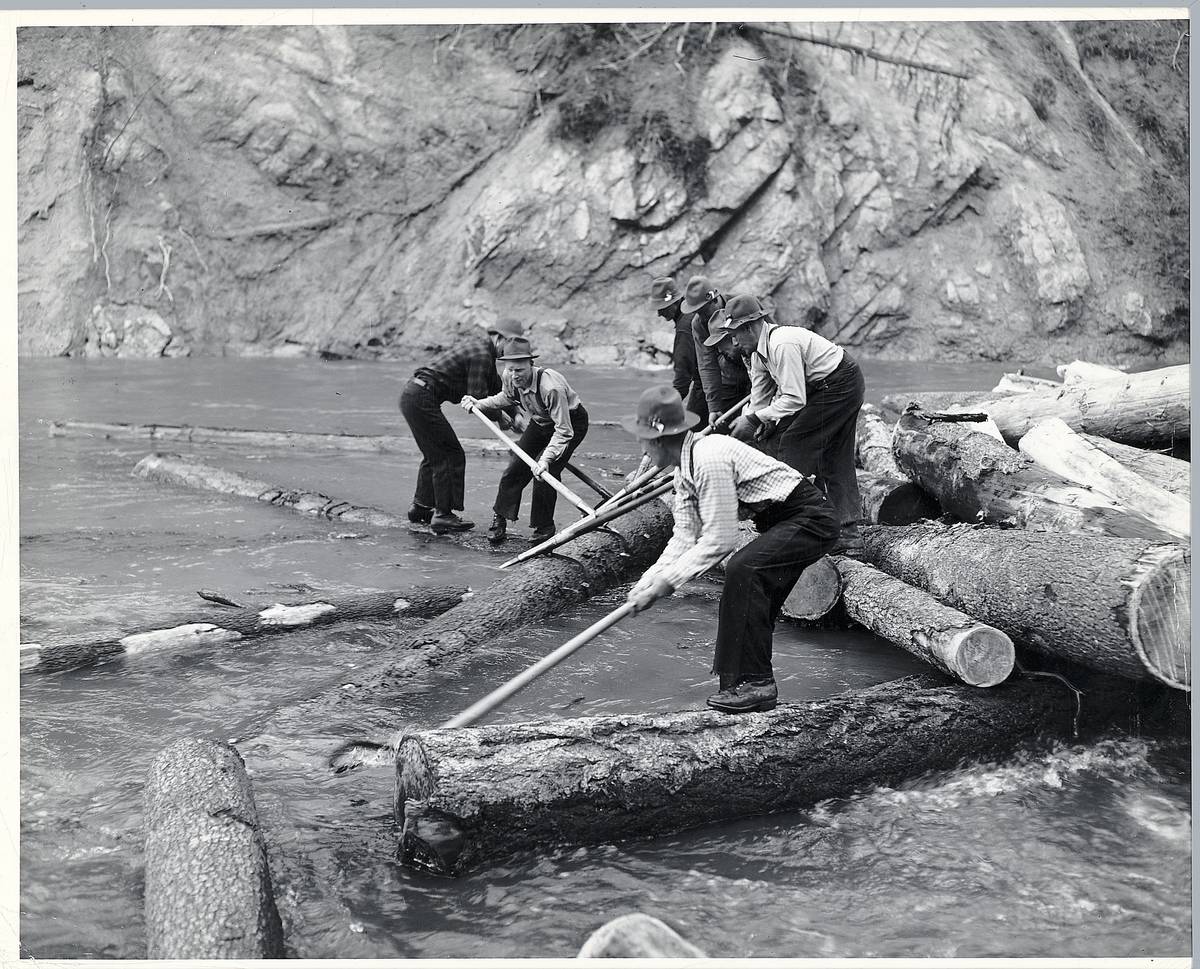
(631, 424)
(520, 356)
(662, 303)
(732, 324)
(689, 307)
(715, 338)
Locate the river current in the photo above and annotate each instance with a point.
(1071, 850)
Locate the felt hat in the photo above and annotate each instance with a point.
(699, 291)
(507, 326)
(518, 348)
(663, 292)
(716, 330)
(742, 310)
(660, 412)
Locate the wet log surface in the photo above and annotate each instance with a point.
(217, 626)
(1122, 606)
(469, 796)
(979, 479)
(208, 885)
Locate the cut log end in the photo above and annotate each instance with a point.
(1160, 615)
(816, 592)
(905, 504)
(983, 656)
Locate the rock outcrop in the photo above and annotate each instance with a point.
(911, 189)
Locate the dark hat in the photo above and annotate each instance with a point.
(700, 290)
(742, 310)
(507, 326)
(663, 292)
(716, 330)
(518, 348)
(660, 412)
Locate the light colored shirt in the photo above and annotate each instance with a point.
(786, 359)
(547, 400)
(718, 481)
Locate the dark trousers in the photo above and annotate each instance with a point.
(441, 475)
(758, 577)
(687, 373)
(517, 475)
(819, 440)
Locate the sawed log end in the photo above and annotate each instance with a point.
(429, 838)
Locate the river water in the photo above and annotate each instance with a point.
(1079, 850)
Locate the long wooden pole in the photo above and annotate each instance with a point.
(516, 449)
(591, 482)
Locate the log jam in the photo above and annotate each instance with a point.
(208, 885)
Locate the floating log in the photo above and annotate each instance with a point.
(873, 443)
(970, 651)
(978, 479)
(894, 500)
(1151, 409)
(306, 440)
(207, 884)
(637, 936)
(467, 796)
(1163, 470)
(1122, 606)
(1058, 449)
(1022, 383)
(213, 627)
(1080, 371)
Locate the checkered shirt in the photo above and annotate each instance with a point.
(468, 367)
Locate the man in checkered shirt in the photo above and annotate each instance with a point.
(719, 480)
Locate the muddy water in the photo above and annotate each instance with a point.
(1079, 850)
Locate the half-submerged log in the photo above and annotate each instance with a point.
(1151, 409)
(1170, 474)
(894, 500)
(1058, 449)
(467, 796)
(1121, 606)
(637, 936)
(873, 443)
(214, 627)
(979, 479)
(970, 651)
(208, 884)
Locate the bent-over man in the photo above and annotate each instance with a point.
(805, 395)
(732, 376)
(719, 480)
(468, 367)
(667, 299)
(553, 422)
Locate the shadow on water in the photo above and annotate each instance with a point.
(1078, 850)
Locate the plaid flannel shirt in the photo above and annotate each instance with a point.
(718, 481)
(468, 367)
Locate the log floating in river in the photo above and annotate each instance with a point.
(977, 478)
(1121, 606)
(213, 627)
(208, 885)
(471, 795)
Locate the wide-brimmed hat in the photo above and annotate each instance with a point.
(507, 326)
(699, 291)
(716, 330)
(663, 292)
(741, 310)
(518, 348)
(660, 412)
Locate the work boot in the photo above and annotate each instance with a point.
(420, 514)
(498, 530)
(749, 696)
(443, 523)
(543, 532)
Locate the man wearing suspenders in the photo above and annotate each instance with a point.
(555, 422)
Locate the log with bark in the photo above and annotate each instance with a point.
(637, 936)
(1151, 409)
(1058, 449)
(968, 650)
(465, 797)
(1121, 606)
(208, 885)
(214, 627)
(894, 500)
(979, 479)
(873, 443)
(1169, 473)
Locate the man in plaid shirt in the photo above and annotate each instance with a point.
(468, 367)
(719, 480)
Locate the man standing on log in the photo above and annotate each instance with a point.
(552, 421)
(805, 396)
(687, 383)
(719, 480)
(467, 368)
